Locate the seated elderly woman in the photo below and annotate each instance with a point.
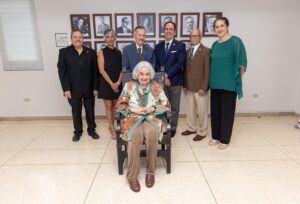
(142, 104)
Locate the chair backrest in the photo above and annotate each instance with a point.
(159, 77)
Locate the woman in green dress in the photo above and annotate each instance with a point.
(228, 64)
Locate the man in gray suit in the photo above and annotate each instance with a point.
(195, 86)
(138, 51)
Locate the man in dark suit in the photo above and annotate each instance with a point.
(138, 51)
(78, 74)
(195, 87)
(123, 29)
(170, 56)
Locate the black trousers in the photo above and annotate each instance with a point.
(89, 106)
(222, 109)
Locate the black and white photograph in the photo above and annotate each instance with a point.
(121, 44)
(99, 45)
(187, 44)
(208, 23)
(189, 21)
(124, 24)
(61, 39)
(147, 20)
(88, 44)
(81, 22)
(166, 17)
(151, 43)
(102, 22)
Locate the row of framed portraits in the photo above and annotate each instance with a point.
(121, 44)
(124, 23)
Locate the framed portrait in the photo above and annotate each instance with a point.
(147, 20)
(152, 43)
(124, 24)
(121, 44)
(187, 44)
(189, 21)
(81, 22)
(88, 44)
(166, 17)
(99, 45)
(208, 23)
(102, 22)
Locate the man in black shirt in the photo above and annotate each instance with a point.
(78, 74)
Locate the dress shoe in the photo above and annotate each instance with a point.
(94, 135)
(213, 142)
(222, 146)
(135, 185)
(199, 137)
(173, 133)
(187, 132)
(76, 137)
(149, 180)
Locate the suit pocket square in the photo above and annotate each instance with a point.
(173, 51)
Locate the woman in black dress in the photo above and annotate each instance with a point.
(110, 67)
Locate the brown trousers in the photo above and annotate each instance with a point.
(147, 131)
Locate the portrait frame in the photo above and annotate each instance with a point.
(61, 39)
(88, 44)
(151, 28)
(99, 45)
(120, 44)
(152, 43)
(161, 18)
(209, 17)
(184, 29)
(85, 28)
(118, 25)
(107, 24)
(187, 44)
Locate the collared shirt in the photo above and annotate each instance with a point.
(196, 48)
(170, 43)
(137, 47)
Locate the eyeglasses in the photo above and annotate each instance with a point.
(194, 36)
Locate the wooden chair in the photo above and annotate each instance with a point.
(164, 148)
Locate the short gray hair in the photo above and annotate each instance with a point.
(139, 66)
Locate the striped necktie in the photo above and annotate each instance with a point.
(191, 53)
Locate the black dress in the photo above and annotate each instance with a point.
(113, 67)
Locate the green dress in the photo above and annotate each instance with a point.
(226, 59)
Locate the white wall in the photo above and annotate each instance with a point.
(269, 30)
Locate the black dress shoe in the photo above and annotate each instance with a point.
(76, 137)
(94, 135)
(173, 133)
(187, 132)
(199, 137)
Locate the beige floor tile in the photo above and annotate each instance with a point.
(292, 151)
(6, 155)
(16, 138)
(185, 184)
(110, 156)
(258, 120)
(182, 155)
(45, 183)
(4, 124)
(59, 157)
(61, 138)
(279, 134)
(212, 153)
(43, 123)
(289, 119)
(253, 182)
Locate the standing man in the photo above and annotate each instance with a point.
(170, 57)
(138, 51)
(78, 74)
(195, 86)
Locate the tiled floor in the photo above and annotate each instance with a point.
(40, 164)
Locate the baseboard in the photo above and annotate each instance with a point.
(259, 114)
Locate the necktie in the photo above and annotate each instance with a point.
(167, 47)
(191, 53)
(140, 53)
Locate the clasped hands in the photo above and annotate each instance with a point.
(143, 111)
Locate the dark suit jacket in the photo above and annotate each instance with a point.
(197, 70)
(120, 30)
(78, 73)
(130, 56)
(173, 61)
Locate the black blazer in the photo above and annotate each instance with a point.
(78, 73)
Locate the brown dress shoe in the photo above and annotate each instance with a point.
(135, 185)
(187, 132)
(199, 137)
(149, 180)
